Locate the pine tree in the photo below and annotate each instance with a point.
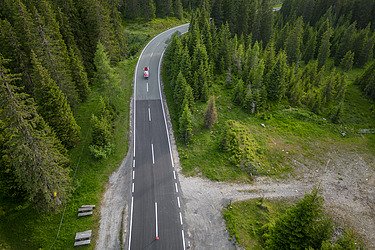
(302, 226)
(31, 149)
(238, 94)
(79, 74)
(310, 44)
(210, 117)
(276, 80)
(53, 106)
(52, 51)
(105, 75)
(185, 125)
(266, 20)
(367, 81)
(293, 42)
(178, 9)
(347, 62)
(324, 49)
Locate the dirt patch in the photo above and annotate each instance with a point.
(346, 180)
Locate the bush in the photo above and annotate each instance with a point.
(239, 142)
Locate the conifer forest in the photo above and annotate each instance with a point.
(55, 54)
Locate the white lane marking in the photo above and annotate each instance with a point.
(134, 163)
(176, 187)
(174, 174)
(149, 114)
(131, 223)
(183, 239)
(178, 202)
(156, 220)
(152, 152)
(133, 187)
(152, 54)
(147, 86)
(180, 218)
(133, 174)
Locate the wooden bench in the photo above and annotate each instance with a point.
(85, 210)
(83, 238)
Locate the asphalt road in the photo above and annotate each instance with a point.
(155, 216)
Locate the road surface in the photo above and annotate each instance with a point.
(155, 214)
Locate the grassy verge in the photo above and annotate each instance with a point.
(284, 134)
(21, 226)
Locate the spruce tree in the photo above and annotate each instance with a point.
(266, 20)
(293, 42)
(367, 81)
(185, 125)
(347, 62)
(302, 226)
(53, 105)
(31, 150)
(210, 117)
(276, 79)
(79, 74)
(238, 93)
(105, 75)
(309, 44)
(325, 48)
(52, 51)
(178, 9)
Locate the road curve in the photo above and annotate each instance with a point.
(155, 213)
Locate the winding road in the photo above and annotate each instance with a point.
(155, 214)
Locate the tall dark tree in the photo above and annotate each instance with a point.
(53, 105)
(31, 150)
(367, 81)
(186, 125)
(325, 48)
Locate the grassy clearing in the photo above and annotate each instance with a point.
(21, 226)
(245, 219)
(288, 134)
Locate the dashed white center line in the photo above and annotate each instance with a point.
(174, 174)
(133, 174)
(180, 218)
(156, 220)
(178, 202)
(149, 114)
(147, 87)
(152, 152)
(176, 187)
(133, 188)
(134, 163)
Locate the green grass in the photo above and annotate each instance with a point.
(23, 227)
(289, 134)
(245, 219)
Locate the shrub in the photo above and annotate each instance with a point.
(239, 142)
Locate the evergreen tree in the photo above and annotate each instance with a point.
(325, 48)
(347, 61)
(79, 74)
(185, 125)
(53, 106)
(302, 226)
(367, 81)
(266, 20)
(178, 9)
(238, 94)
(31, 149)
(310, 44)
(276, 86)
(105, 74)
(293, 42)
(52, 51)
(210, 117)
